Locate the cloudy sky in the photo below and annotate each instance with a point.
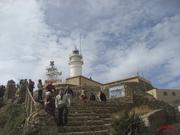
(119, 38)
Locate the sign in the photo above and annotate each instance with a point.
(117, 91)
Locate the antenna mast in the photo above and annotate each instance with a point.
(80, 44)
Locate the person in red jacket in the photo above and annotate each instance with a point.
(50, 88)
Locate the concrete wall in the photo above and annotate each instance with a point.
(136, 83)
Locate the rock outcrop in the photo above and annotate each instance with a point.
(40, 123)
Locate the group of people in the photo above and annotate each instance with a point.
(57, 105)
(100, 96)
(16, 91)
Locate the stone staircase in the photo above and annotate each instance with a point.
(177, 115)
(93, 118)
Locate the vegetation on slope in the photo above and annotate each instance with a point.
(128, 124)
(12, 118)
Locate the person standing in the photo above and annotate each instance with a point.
(2, 91)
(61, 108)
(102, 97)
(22, 91)
(83, 96)
(69, 93)
(49, 104)
(92, 97)
(40, 90)
(26, 83)
(31, 86)
(50, 88)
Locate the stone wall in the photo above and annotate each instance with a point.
(154, 119)
(155, 104)
(74, 81)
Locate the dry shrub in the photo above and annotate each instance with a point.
(141, 110)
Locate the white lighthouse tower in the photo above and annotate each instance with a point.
(75, 62)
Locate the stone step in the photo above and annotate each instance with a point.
(89, 110)
(110, 111)
(87, 105)
(94, 108)
(80, 111)
(88, 122)
(83, 120)
(98, 132)
(93, 118)
(101, 115)
(93, 111)
(74, 114)
(90, 107)
(83, 128)
(89, 114)
(93, 105)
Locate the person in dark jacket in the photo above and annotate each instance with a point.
(49, 104)
(102, 97)
(40, 90)
(22, 91)
(50, 88)
(31, 86)
(2, 91)
(92, 97)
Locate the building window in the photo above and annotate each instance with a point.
(165, 93)
(173, 93)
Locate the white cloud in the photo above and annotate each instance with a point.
(119, 39)
(21, 38)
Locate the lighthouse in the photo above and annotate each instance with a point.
(75, 62)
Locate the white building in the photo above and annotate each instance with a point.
(75, 62)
